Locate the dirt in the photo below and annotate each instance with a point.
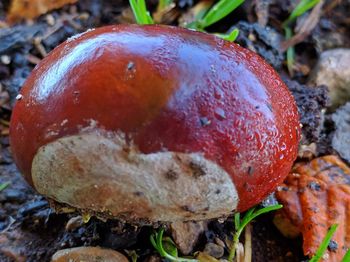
(29, 228)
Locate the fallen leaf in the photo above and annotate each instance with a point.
(315, 196)
(29, 9)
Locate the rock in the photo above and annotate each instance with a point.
(214, 250)
(186, 234)
(333, 70)
(88, 254)
(74, 223)
(341, 137)
(312, 103)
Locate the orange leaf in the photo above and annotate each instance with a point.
(315, 196)
(29, 9)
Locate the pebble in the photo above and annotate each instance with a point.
(74, 223)
(186, 234)
(88, 254)
(214, 250)
(333, 70)
(5, 59)
(341, 137)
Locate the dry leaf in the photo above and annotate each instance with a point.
(29, 9)
(315, 196)
(204, 257)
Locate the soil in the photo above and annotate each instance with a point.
(31, 231)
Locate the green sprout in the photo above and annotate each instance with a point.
(325, 242)
(231, 36)
(218, 12)
(346, 258)
(166, 247)
(141, 14)
(4, 185)
(205, 19)
(215, 14)
(240, 224)
(300, 9)
(290, 51)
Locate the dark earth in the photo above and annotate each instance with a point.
(31, 231)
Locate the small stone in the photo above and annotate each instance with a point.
(333, 246)
(74, 223)
(333, 70)
(219, 242)
(341, 137)
(186, 234)
(88, 254)
(214, 250)
(5, 59)
(50, 20)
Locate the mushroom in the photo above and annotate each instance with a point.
(154, 123)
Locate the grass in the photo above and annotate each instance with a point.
(4, 185)
(166, 248)
(220, 10)
(217, 12)
(300, 9)
(142, 16)
(240, 224)
(325, 242)
(346, 258)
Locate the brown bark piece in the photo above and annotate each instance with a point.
(315, 196)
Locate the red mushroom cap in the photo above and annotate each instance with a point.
(160, 91)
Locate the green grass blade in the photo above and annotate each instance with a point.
(290, 51)
(237, 220)
(247, 219)
(142, 16)
(135, 10)
(240, 225)
(300, 9)
(346, 258)
(325, 242)
(146, 17)
(4, 185)
(170, 247)
(153, 242)
(219, 11)
(231, 36)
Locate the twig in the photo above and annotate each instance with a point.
(248, 243)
